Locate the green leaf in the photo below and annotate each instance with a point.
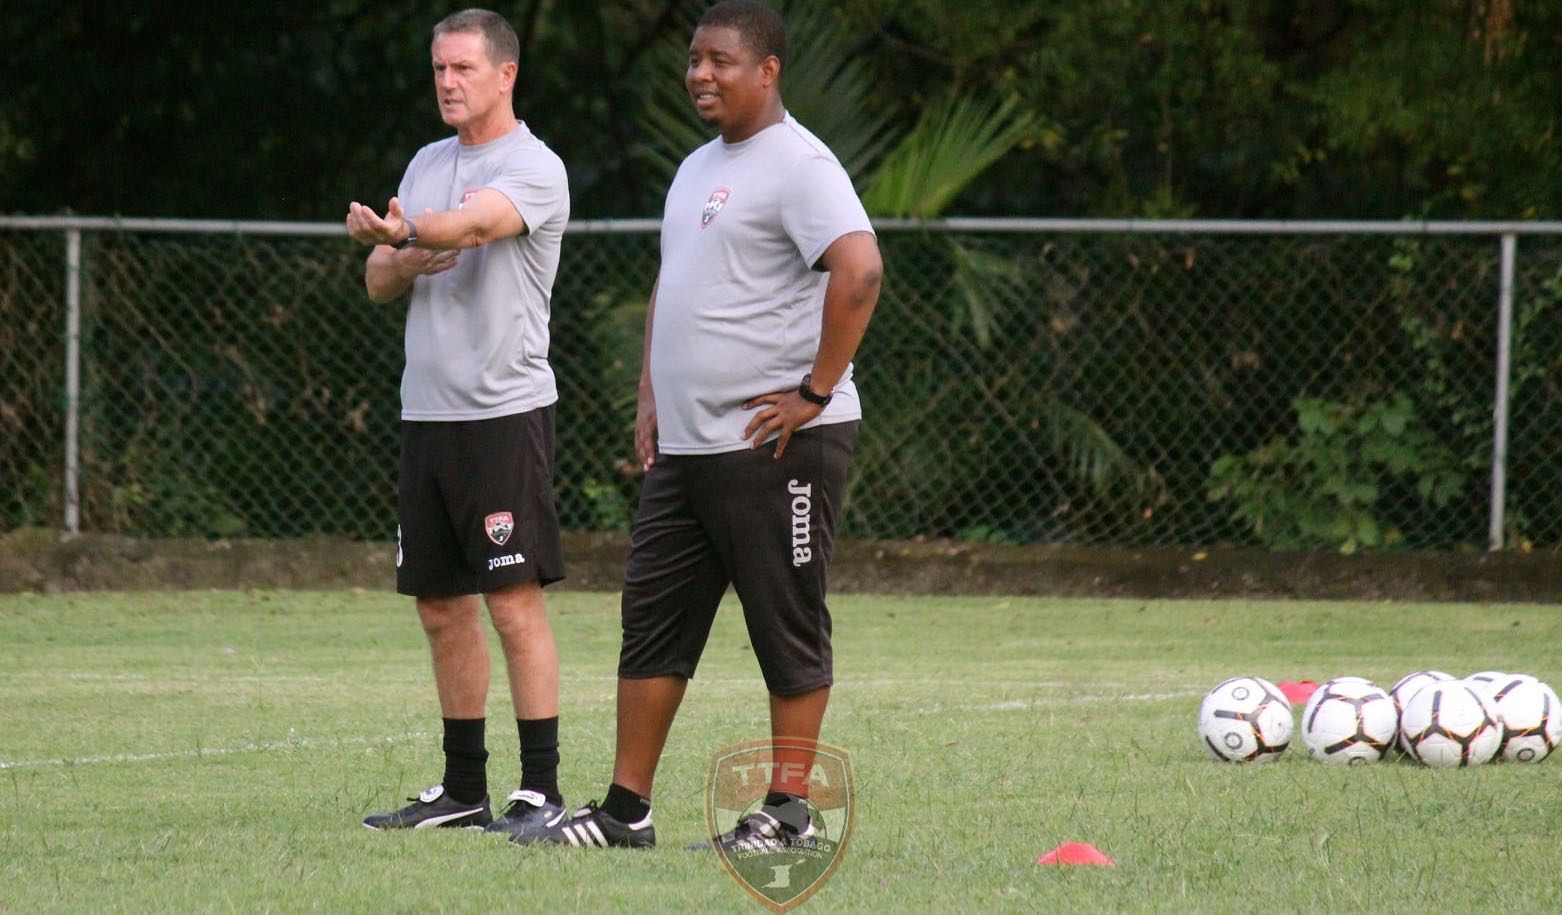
(953, 142)
(981, 279)
(1311, 415)
(1367, 532)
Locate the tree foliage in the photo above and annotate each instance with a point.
(1215, 108)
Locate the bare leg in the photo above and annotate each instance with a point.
(531, 657)
(460, 652)
(794, 730)
(645, 716)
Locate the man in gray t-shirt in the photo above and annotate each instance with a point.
(747, 418)
(474, 235)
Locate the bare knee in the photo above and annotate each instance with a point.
(440, 616)
(517, 613)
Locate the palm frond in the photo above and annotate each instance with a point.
(979, 279)
(1091, 457)
(826, 87)
(954, 141)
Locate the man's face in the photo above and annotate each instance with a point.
(726, 79)
(467, 85)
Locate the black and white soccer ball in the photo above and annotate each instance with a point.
(1407, 686)
(1245, 719)
(1349, 721)
(1451, 723)
(1530, 717)
(1483, 679)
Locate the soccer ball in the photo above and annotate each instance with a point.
(1530, 716)
(1245, 719)
(1407, 686)
(1499, 683)
(1485, 678)
(1451, 723)
(1349, 721)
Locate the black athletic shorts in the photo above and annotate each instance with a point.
(475, 505)
(764, 526)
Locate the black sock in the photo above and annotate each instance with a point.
(624, 805)
(540, 756)
(466, 760)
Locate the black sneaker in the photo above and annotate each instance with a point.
(529, 813)
(592, 827)
(430, 809)
(768, 829)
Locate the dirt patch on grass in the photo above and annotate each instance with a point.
(42, 561)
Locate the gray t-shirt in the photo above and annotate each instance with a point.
(477, 334)
(738, 305)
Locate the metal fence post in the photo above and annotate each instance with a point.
(1499, 457)
(72, 380)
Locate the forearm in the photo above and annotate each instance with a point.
(645, 346)
(849, 300)
(452, 229)
(384, 276)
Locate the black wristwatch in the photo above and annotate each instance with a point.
(412, 236)
(806, 391)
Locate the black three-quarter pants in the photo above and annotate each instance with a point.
(765, 526)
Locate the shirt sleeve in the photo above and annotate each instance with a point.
(404, 190)
(537, 187)
(820, 207)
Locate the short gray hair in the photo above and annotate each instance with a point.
(497, 34)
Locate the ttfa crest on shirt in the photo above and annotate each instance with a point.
(718, 199)
(499, 525)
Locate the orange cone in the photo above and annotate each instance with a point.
(1297, 692)
(1076, 853)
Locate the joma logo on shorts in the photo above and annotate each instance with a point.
(802, 528)
(514, 559)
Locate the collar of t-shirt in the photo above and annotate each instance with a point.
(739, 146)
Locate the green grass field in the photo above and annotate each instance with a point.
(215, 751)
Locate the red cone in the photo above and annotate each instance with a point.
(1076, 853)
(1298, 691)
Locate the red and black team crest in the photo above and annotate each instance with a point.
(499, 525)
(718, 199)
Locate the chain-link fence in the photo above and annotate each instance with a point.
(1113, 383)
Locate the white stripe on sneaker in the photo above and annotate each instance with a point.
(436, 821)
(596, 831)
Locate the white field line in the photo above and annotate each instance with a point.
(201, 752)
(1019, 705)
(1011, 705)
(422, 675)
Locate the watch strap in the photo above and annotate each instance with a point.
(412, 236)
(806, 391)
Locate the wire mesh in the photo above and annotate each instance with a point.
(1293, 391)
(32, 355)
